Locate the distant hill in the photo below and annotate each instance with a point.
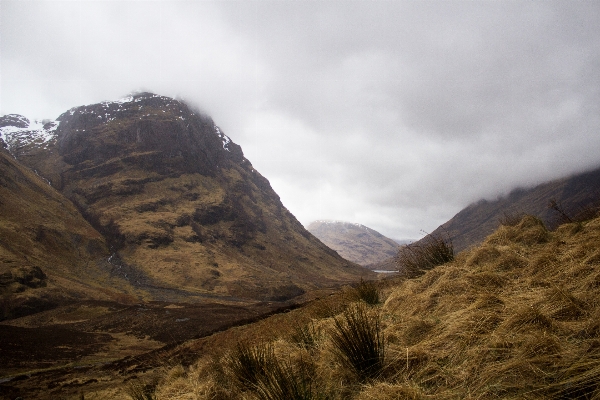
(354, 242)
(573, 195)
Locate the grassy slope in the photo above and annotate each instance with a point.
(517, 317)
(40, 228)
(205, 258)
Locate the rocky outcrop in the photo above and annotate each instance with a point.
(147, 130)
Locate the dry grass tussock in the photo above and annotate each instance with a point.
(516, 318)
(417, 258)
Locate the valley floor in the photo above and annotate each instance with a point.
(94, 346)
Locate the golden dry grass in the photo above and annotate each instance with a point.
(516, 318)
(163, 240)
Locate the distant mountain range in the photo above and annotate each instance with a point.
(145, 199)
(355, 242)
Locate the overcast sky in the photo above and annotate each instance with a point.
(393, 114)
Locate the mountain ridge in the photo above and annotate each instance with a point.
(572, 194)
(355, 242)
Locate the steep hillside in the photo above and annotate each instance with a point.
(183, 211)
(48, 252)
(572, 194)
(354, 242)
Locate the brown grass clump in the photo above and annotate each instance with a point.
(516, 318)
(358, 341)
(511, 218)
(285, 381)
(141, 391)
(368, 292)
(387, 391)
(416, 330)
(483, 255)
(562, 305)
(431, 251)
(529, 231)
(257, 370)
(248, 364)
(525, 318)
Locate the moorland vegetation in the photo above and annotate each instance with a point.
(516, 317)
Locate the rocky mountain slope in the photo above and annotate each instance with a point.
(175, 210)
(354, 242)
(572, 195)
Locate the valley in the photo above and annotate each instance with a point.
(514, 316)
(141, 250)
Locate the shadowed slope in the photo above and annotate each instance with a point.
(48, 252)
(574, 194)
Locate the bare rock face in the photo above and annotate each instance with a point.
(183, 212)
(147, 130)
(355, 242)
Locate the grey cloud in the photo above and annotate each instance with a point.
(394, 114)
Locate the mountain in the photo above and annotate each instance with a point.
(156, 197)
(354, 242)
(572, 195)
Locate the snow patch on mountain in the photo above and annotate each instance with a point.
(134, 98)
(224, 138)
(341, 223)
(17, 131)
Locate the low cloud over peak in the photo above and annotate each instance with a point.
(392, 114)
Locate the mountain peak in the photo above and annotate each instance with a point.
(176, 138)
(355, 242)
(338, 223)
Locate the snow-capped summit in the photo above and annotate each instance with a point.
(16, 131)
